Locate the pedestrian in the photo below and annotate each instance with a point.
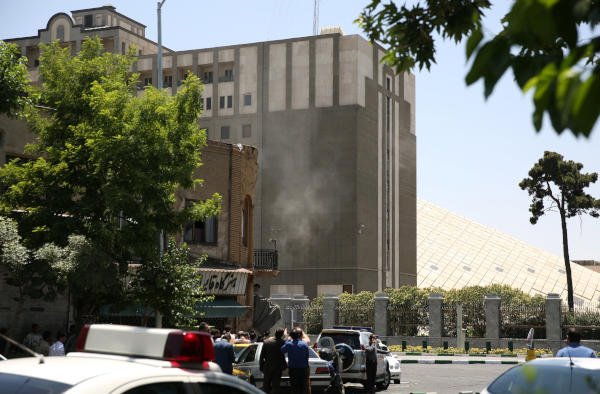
(574, 348)
(371, 364)
(71, 339)
(272, 362)
(45, 343)
(227, 329)
(58, 347)
(306, 339)
(224, 354)
(297, 351)
(215, 334)
(33, 339)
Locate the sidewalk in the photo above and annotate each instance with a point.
(426, 358)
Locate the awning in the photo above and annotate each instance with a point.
(224, 307)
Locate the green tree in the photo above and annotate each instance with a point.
(109, 160)
(555, 184)
(546, 44)
(32, 279)
(14, 79)
(171, 285)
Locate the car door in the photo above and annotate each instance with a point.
(381, 364)
(247, 361)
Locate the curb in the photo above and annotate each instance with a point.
(446, 361)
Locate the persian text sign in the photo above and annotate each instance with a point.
(224, 282)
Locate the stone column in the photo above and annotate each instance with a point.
(492, 318)
(553, 317)
(436, 320)
(330, 311)
(381, 314)
(283, 301)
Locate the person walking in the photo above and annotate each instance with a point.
(58, 347)
(297, 351)
(224, 354)
(272, 362)
(371, 364)
(574, 348)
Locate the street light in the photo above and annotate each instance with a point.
(161, 246)
(159, 54)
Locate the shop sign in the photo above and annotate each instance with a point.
(224, 282)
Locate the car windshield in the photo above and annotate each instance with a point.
(351, 340)
(548, 379)
(12, 383)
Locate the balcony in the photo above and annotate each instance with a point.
(226, 78)
(265, 259)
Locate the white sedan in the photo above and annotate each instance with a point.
(122, 359)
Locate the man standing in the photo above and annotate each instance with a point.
(58, 347)
(33, 339)
(272, 362)
(297, 351)
(574, 348)
(371, 364)
(224, 354)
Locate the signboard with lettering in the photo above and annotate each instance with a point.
(224, 282)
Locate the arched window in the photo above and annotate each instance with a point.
(60, 32)
(246, 219)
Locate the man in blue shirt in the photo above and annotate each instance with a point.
(297, 351)
(224, 354)
(573, 348)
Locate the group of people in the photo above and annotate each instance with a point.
(43, 343)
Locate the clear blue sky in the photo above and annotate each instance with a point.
(471, 153)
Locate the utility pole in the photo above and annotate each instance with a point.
(316, 18)
(159, 83)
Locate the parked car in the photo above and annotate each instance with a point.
(248, 361)
(394, 367)
(560, 375)
(128, 360)
(350, 342)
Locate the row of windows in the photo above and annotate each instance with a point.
(227, 101)
(226, 132)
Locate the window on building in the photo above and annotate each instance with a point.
(36, 63)
(246, 131)
(347, 289)
(224, 132)
(228, 74)
(123, 48)
(201, 231)
(388, 83)
(229, 101)
(246, 210)
(60, 32)
(168, 81)
(140, 52)
(222, 102)
(208, 103)
(388, 110)
(88, 20)
(247, 99)
(207, 77)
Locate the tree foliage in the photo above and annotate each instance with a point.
(555, 184)
(14, 80)
(109, 161)
(545, 43)
(171, 285)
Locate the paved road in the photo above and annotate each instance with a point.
(441, 378)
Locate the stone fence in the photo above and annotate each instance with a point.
(434, 331)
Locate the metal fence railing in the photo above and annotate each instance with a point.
(356, 315)
(408, 320)
(517, 320)
(585, 318)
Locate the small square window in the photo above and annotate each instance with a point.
(247, 99)
(221, 102)
(224, 132)
(229, 101)
(246, 131)
(208, 104)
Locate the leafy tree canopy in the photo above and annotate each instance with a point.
(109, 160)
(548, 44)
(14, 80)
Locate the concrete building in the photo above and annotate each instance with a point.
(335, 131)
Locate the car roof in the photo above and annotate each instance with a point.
(343, 331)
(101, 373)
(578, 362)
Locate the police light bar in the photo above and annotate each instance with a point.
(177, 346)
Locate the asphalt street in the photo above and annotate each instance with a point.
(441, 378)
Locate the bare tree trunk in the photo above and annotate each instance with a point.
(563, 222)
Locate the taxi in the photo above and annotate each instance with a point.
(126, 359)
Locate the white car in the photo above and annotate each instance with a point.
(123, 359)
(392, 362)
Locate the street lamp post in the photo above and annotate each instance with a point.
(159, 81)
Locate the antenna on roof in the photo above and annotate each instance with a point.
(316, 18)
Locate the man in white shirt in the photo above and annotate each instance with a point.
(58, 347)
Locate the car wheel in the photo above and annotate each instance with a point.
(385, 383)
